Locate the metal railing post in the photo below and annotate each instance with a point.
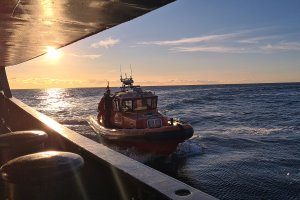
(4, 83)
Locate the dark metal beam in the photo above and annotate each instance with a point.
(107, 174)
(4, 83)
(28, 27)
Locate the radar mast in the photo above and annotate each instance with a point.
(126, 82)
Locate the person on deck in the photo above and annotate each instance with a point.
(104, 108)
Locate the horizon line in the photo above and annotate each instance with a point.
(212, 84)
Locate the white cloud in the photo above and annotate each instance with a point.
(208, 38)
(284, 46)
(256, 40)
(247, 41)
(109, 42)
(270, 48)
(89, 56)
(210, 49)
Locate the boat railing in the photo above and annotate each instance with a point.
(106, 174)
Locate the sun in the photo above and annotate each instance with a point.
(53, 53)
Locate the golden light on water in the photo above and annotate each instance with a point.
(53, 53)
(55, 93)
(55, 100)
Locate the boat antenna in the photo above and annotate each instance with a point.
(121, 73)
(130, 71)
(107, 92)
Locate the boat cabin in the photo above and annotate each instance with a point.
(131, 108)
(130, 119)
(135, 101)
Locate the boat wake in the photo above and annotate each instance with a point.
(188, 149)
(184, 150)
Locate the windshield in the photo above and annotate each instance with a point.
(127, 106)
(139, 104)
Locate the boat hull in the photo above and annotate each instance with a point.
(162, 141)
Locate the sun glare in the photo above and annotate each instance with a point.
(53, 53)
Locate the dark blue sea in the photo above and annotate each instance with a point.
(246, 143)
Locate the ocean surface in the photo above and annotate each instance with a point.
(246, 143)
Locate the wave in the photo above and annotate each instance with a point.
(221, 141)
(73, 122)
(252, 130)
(189, 148)
(246, 136)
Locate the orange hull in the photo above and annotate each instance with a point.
(162, 141)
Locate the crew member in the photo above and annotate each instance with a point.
(104, 108)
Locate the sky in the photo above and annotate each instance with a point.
(188, 42)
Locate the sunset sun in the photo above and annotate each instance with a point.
(53, 53)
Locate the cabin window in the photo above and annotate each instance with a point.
(127, 105)
(152, 103)
(149, 103)
(140, 104)
(144, 104)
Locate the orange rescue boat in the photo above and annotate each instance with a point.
(130, 118)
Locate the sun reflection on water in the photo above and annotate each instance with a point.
(55, 92)
(56, 99)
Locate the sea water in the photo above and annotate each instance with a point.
(246, 143)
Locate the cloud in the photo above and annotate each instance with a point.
(178, 82)
(209, 49)
(48, 81)
(269, 48)
(256, 40)
(109, 42)
(284, 46)
(89, 56)
(225, 43)
(192, 40)
(103, 82)
(245, 41)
